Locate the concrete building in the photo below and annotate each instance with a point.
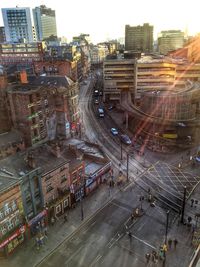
(12, 225)
(119, 75)
(17, 23)
(139, 38)
(49, 110)
(169, 41)
(2, 35)
(45, 22)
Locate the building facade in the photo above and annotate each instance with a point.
(119, 75)
(139, 38)
(169, 41)
(2, 35)
(45, 22)
(12, 224)
(49, 110)
(17, 23)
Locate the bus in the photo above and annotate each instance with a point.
(101, 112)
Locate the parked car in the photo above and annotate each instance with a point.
(114, 131)
(96, 101)
(110, 107)
(125, 139)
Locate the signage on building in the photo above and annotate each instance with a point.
(19, 231)
(36, 218)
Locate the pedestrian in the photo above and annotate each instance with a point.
(192, 202)
(175, 243)
(169, 243)
(147, 256)
(52, 220)
(65, 218)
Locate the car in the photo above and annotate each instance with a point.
(114, 131)
(125, 139)
(96, 101)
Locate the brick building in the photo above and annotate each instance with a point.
(44, 107)
(12, 227)
(61, 67)
(5, 123)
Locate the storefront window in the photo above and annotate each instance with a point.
(15, 242)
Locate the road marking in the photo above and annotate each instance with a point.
(98, 257)
(144, 242)
(142, 225)
(113, 203)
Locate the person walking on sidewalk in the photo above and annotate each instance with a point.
(65, 218)
(175, 243)
(169, 243)
(147, 256)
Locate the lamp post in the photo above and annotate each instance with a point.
(183, 205)
(121, 148)
(166, 228)
(127, 168)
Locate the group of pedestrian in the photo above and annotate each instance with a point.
(170, 241)
(153, 256)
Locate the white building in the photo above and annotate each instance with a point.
(17, 23)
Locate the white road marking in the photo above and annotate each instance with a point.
(144, 242)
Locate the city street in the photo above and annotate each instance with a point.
(104, 240)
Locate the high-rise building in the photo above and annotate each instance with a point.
(139, 38)
(170, 40)
(45, 22)
(17, 23)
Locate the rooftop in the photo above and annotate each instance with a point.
(35, 81)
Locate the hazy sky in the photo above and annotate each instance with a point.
(105, 19)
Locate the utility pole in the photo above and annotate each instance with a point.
(166, 228)
(81, 199)
(183, 205)
(121, 148)
(127, 168)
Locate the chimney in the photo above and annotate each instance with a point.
(23, 76)
(31, 160)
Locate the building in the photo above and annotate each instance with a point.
(2, 35)
(49, 109)
(139, 38)
(21, 56)
(119, 76)
(169, 41)
(45, 22)
(12, 224)
(5, 122)
(17, 23)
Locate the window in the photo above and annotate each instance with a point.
(10, 225)
(3, 230)
(7, 209)
(1, 215)
(49, 188)
(14, 205)
(65, 203)
(63, 178)
(58, 209)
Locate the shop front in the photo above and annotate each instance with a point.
(12, 242)
(93, 181)
(38, 223)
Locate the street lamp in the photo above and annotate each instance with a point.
(183, 205)
(166, 228)
(121, 149)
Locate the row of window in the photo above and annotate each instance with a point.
(8, 209)
(8, 226)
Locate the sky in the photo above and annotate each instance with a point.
(106, 19)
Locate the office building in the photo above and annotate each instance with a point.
(139, 38)
(169, 41)
(17, 23)
(45, 22)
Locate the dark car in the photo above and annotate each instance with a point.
(110, 107)
(125, 139)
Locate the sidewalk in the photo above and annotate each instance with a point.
(28, 255)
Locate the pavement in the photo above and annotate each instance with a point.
(27, 255)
